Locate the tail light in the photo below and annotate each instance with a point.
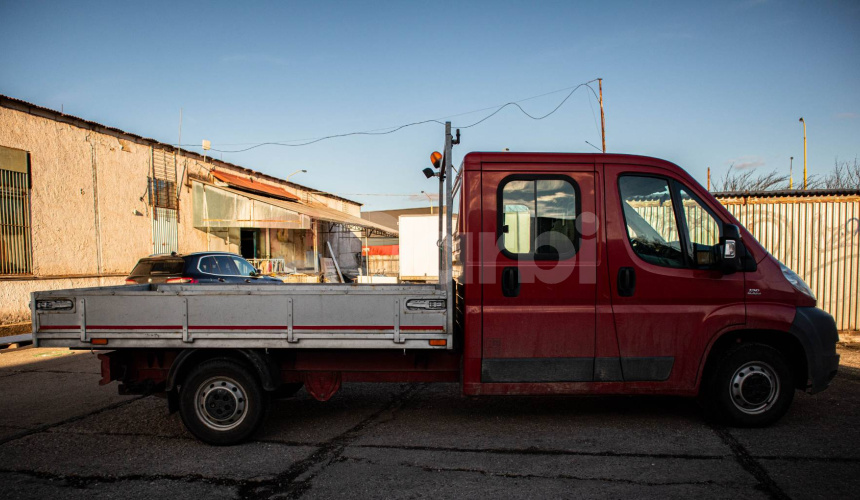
(130, 282)
(182, 280)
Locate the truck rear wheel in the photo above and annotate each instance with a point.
(221, 402)
(751, 386)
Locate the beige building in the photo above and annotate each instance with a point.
(81, 202)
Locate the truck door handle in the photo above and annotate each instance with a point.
(511, 282)
(626, 281)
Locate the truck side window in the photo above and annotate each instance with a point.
(538, 218)
(703, 230)
(650, 218)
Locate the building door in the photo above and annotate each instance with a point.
(538, 276)
(249, 243)
(163, 200)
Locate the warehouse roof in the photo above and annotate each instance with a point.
(51, 114)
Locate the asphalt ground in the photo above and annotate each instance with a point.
(64, 436)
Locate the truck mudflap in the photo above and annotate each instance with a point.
(816, 331)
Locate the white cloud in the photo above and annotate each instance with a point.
(746, 162)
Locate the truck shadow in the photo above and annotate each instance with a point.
(27, 372)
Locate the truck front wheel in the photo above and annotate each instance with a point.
(221, 402)
(751, 386)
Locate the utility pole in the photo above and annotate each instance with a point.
(709, 179)
(804, 152)
(790, 172)
(602, 118)
(429, 200)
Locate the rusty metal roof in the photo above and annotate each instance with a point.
(258, 187)
(51, 114)
(317, 212)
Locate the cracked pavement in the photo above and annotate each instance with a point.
(63, 435)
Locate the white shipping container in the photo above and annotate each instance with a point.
(419, 253)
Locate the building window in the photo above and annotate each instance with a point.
(16, 251)
(162, 193)
(538, 217)
(162, 182)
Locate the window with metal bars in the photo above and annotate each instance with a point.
(162, 193)
(162, 182)
(16, 251)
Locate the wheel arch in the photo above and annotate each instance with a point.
(785, 342)
(261, 363)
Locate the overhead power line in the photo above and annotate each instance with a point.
(517, 105)
(391, 130)
(308, 143)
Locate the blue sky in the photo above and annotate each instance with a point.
(698, 83)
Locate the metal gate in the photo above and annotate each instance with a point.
(165, 237)
(15, 245)
(162, 196)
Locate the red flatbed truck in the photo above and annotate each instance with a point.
(567, 274)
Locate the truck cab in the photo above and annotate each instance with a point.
(600, 274)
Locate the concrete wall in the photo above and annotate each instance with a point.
(15, 295)
(89, 224)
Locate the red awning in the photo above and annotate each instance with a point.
(381, 250)
(252, 185)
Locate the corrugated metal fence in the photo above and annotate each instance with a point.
(816, 236)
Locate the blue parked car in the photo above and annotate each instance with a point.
(200, 267)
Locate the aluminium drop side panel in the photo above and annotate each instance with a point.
(243, 316)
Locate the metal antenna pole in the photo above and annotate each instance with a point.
(180, 134)
(439, 243)
(804, 152)
(602, 117)
(449, 214)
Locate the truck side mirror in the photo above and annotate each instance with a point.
(731, 249)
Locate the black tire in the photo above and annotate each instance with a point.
(287, 390)
(221, 402)
(750, 386)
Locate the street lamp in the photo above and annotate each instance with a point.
(804, 152)
(791, 173)
(296, 172)
(429, 200)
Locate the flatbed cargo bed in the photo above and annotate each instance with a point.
(295, 316)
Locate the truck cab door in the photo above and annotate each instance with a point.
(538, 275)
(669, 298)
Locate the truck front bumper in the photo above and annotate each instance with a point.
(816, 331)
